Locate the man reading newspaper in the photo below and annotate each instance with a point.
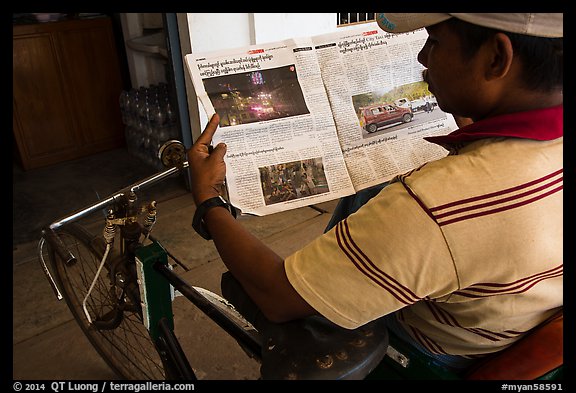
(463, 255)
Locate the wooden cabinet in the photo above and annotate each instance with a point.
(66, 87)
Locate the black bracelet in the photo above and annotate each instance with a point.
(198, 222)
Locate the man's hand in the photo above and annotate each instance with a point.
(207, 168)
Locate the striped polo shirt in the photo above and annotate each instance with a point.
(468, 249)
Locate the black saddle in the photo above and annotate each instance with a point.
(311, 348)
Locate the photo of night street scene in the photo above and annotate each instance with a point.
(256, 96)
(293, 180)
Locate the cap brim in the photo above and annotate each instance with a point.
(402, 23)
(535, 24)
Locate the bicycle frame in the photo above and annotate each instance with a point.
(156, 276)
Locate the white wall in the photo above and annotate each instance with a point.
(216, 31)
(280, 26)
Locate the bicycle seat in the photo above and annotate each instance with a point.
(317, 349)
(313, 347)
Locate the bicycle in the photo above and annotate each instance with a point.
(119, 287)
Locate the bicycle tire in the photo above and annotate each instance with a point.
(127, 348)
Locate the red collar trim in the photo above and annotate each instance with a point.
(540, 124)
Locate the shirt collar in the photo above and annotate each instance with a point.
(540, 124)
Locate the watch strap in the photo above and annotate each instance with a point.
(198, 221)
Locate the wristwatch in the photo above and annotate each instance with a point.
(198, 222)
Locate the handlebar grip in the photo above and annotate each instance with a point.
(56, 243)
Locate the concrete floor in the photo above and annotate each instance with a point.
(49, 345)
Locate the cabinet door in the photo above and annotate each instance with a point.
(90, 62)
(43, 135)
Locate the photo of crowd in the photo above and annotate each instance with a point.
(293, 180)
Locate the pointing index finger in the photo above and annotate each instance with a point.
(206, 137)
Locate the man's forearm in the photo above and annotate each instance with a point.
(258, 268)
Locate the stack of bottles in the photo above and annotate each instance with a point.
(150, 121)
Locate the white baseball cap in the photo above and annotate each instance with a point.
(534, 24)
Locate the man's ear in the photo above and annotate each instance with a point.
(501, 56)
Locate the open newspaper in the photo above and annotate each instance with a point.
(308, 120)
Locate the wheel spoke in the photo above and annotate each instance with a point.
(127, 348)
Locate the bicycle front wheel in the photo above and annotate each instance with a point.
(118, 334)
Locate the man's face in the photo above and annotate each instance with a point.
(454, 81)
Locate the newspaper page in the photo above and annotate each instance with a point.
(381, 105)
(283, 149)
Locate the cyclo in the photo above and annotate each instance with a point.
(119, 287)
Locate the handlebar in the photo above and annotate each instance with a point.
(83, 212)
(172, 154)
